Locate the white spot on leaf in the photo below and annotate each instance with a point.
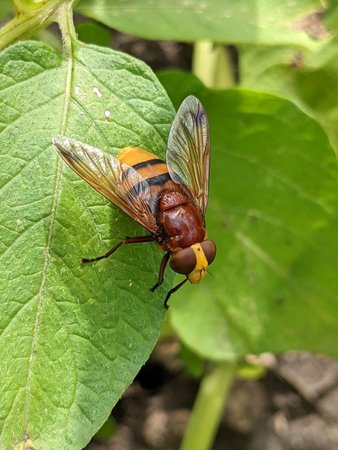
(97, 91)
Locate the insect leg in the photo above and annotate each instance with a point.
(174, 289)
(132, 240)
(163, 265)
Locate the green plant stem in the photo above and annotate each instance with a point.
(27, 6)
(212, 64)
(66, 24)
(28, 22)
(208, 408)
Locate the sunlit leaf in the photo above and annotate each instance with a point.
(72, 337)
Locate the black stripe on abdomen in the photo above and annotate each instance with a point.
(158, 180)
(150, 162)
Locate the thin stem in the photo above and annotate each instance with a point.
(203, 61)
(66, 24)
(28, 22)
(212, 64)
(208, 407)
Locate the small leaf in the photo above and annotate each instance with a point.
(107, 430)
(72, 337)
(93, 33)
(273, 210)
(193, 364)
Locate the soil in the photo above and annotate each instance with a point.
(294, 407)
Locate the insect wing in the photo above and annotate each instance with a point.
(188, 153)
(118, 182)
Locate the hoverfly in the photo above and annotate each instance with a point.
(168, 199)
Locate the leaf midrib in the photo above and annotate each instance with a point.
(55, 199)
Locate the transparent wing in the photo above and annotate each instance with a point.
(188, 153)
(118, 182)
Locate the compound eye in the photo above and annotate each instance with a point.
(184, 261)
(209, 248)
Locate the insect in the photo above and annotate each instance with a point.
(168, 199)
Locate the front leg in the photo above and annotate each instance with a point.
(163, 265)
(174, 289)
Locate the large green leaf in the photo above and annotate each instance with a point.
(72, 337)
(273, 213)
(260, 21)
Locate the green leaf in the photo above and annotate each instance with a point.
(262, 21)
(107, 430)
(273, 214)
(93, 33)
(193, 364)
(72, 337)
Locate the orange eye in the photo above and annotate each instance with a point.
(183, 261)
(209, 248)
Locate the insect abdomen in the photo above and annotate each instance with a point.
(149, 166)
